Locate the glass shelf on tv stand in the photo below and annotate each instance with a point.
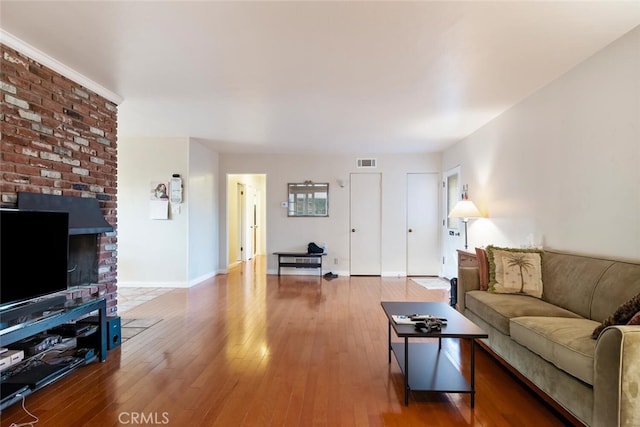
(39, 310)
(71, 312)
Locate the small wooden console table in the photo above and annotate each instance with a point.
(308, 260)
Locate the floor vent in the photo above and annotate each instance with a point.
(366, 163)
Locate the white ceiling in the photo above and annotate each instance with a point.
(316, 77)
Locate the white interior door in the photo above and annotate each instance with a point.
(365, 211)
(423, 252)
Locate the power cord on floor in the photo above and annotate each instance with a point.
(31, 423)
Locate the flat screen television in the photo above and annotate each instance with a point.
(34, 250)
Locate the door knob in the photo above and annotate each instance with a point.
(410, 230)
(353, 230)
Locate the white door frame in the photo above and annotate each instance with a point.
(450, 227)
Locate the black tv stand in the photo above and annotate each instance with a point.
(39, 323)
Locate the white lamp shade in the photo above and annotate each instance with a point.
(465, 209)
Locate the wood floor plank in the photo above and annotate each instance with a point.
(247, 349)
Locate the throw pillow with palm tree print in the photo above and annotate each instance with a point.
(515, 271)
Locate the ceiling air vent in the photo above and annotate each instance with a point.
(366, 163)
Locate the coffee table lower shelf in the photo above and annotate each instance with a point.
(430, 370)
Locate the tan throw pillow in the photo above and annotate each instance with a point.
(483, 268)
(515, 271)
(623, 314)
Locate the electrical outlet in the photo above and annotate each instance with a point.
(335, 261)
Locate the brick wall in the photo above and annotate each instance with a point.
(59, 138)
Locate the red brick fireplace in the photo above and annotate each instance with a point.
(59, 138)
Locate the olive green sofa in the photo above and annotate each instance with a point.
(548, 340)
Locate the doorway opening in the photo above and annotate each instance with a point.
(246, 213)
(451, 234)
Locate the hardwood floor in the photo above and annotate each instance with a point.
(247, 349)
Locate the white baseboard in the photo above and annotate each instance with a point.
(305, 272)
(202, 278)
(152, 284)
(175, 284)
(393, 274)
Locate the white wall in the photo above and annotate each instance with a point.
(203, 208)
(293, 234)
(180, 251)
(561, 168)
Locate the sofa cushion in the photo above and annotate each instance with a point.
(564, 342)
(582, 274)
(619, 283)
(515, 271)
(497, 309)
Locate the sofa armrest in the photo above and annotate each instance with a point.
(468, 280)
(616, 385)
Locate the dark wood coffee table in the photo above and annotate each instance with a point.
(431, 368)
